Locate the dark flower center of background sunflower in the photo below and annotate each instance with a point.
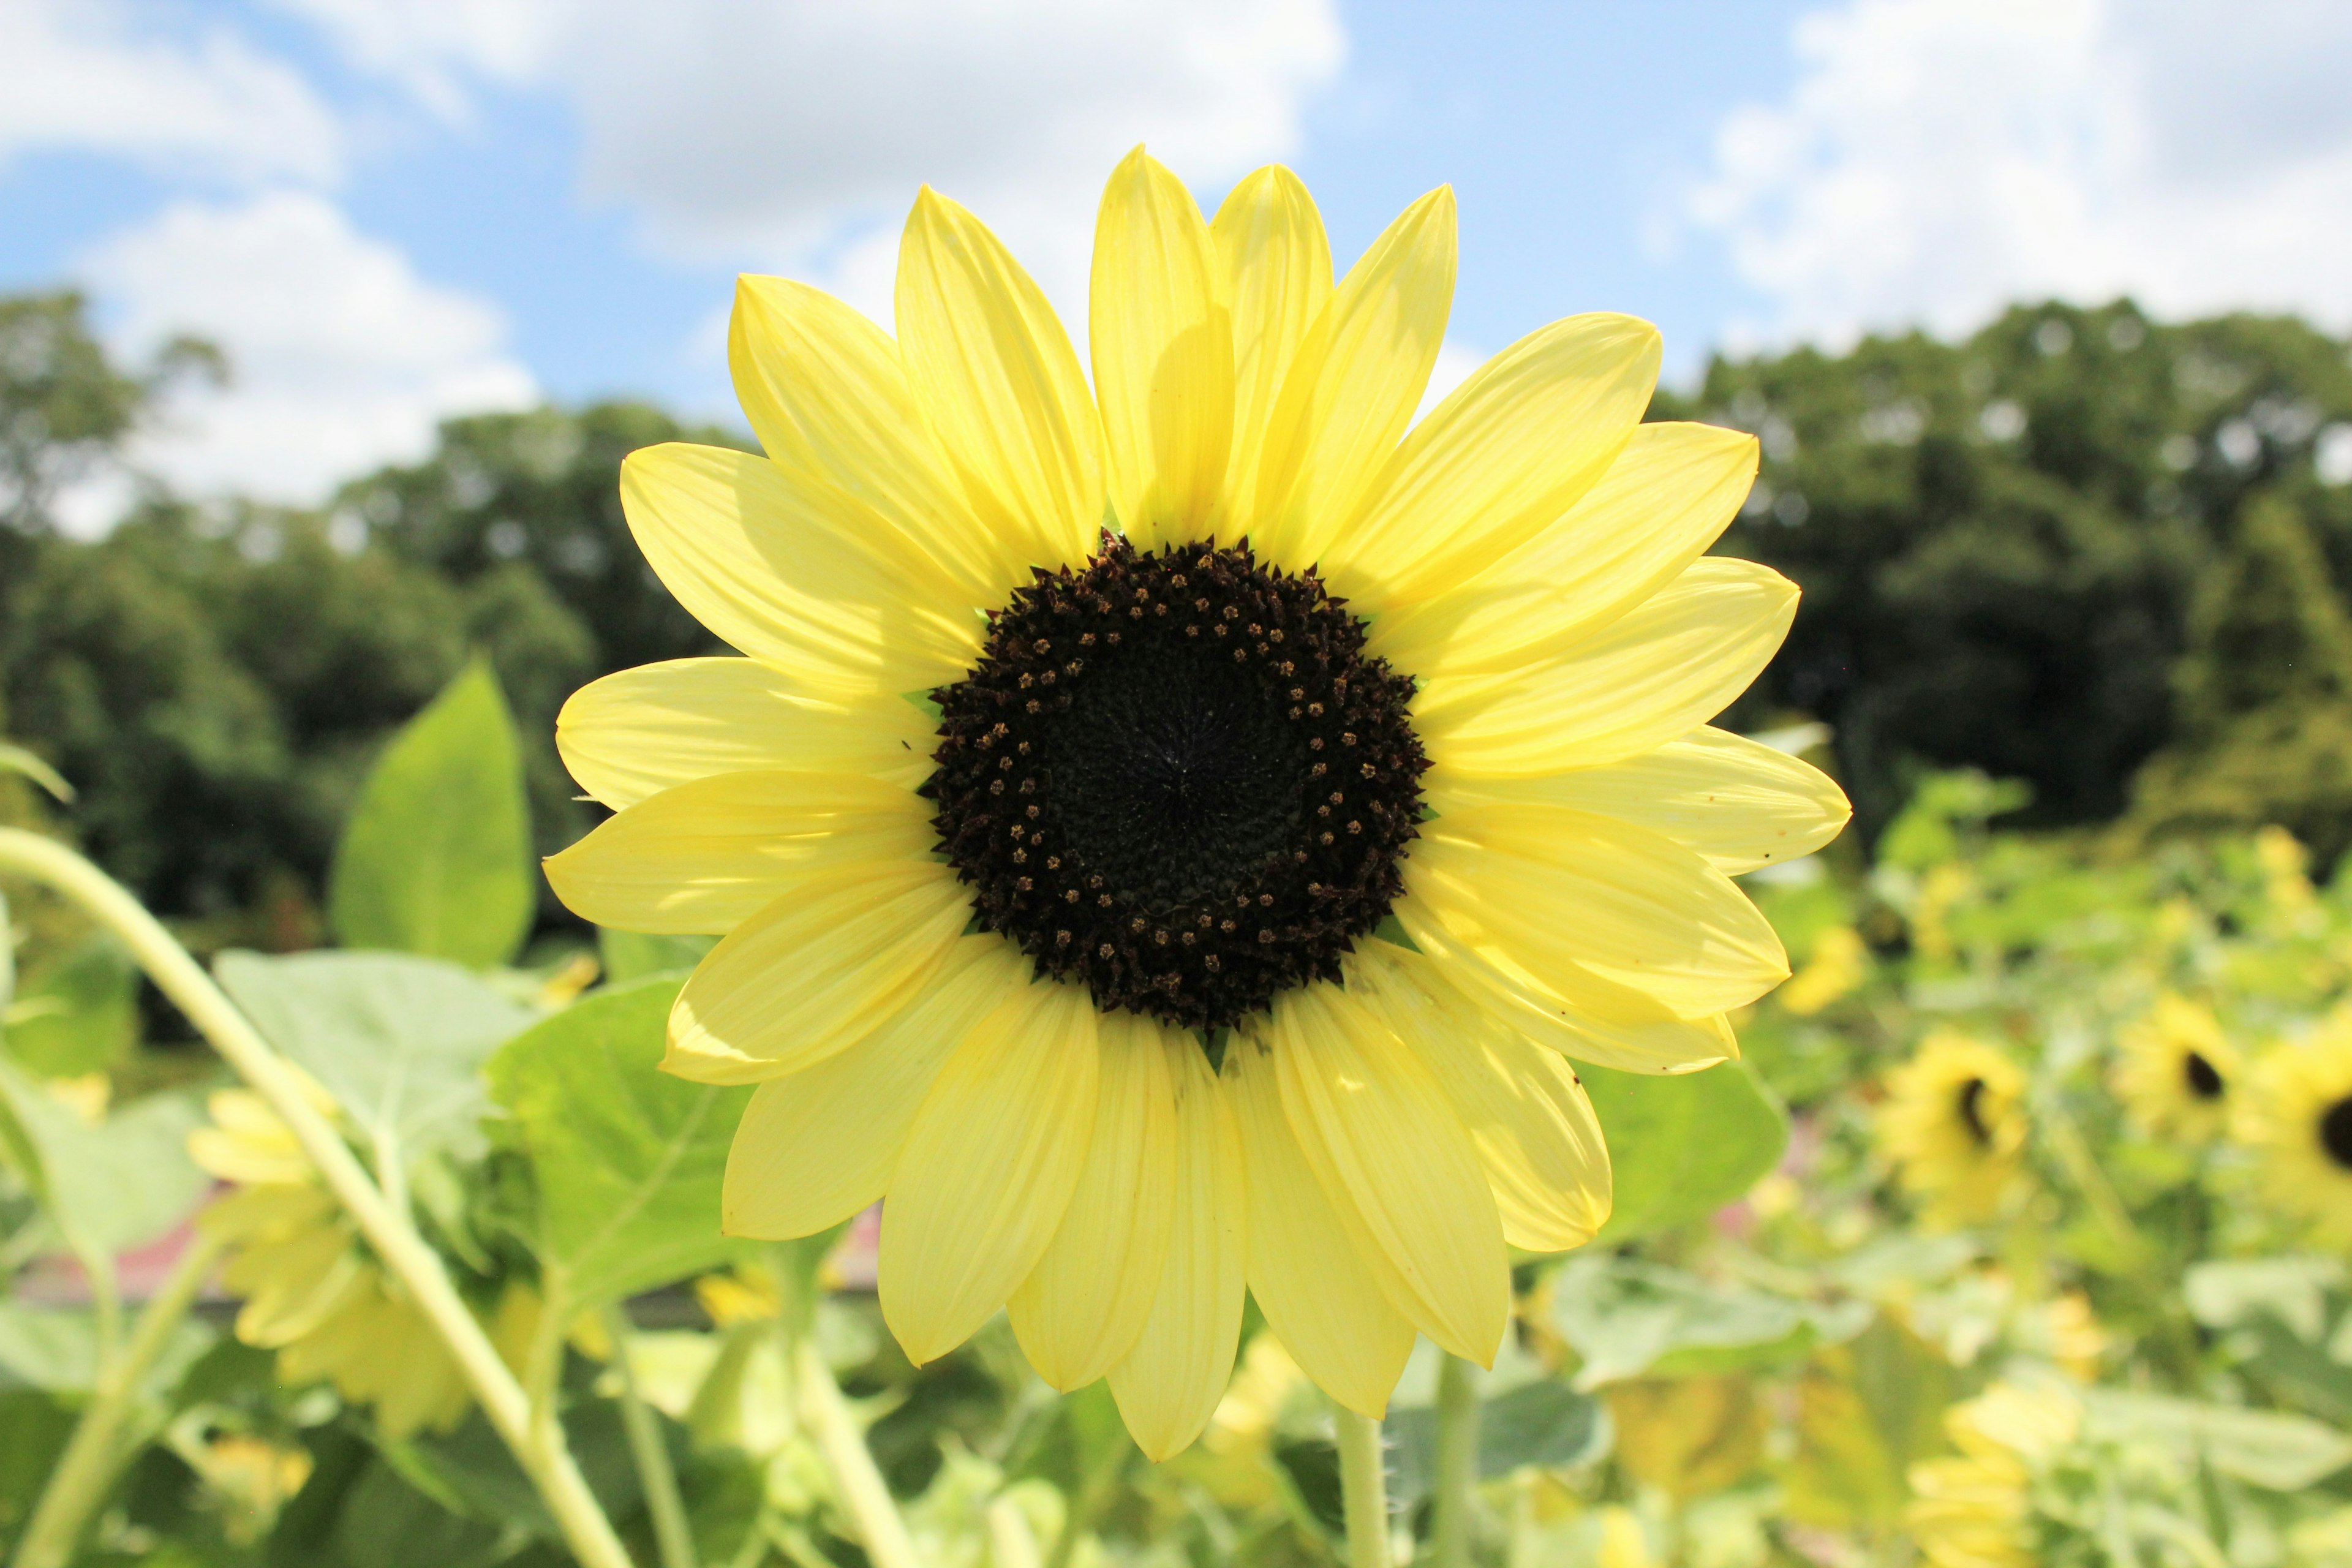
(2203, 1081)
(1971, 1108)
(1179, 780)
(2335, 1131)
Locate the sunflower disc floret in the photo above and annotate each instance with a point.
(1178, 780)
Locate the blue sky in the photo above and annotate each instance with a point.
(389, 212)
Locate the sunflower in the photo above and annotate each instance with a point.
(1169, 840)
(1975, 1510)
(2176, 1071)
(312, 1292)
(2299, 1117)
(1953, 1125)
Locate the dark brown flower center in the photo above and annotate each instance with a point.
(1179, 780)
(2335, 1131)
(1971, 1108)
(2203, 1081)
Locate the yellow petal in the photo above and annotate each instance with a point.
(999, 387)
(1573, 897)
(816, 1147)
(707, 856)
(1277, 276)
(1501, 459)
(1172, 1380)
(1670, 494)
(1354, 383)
(1656, 672)
(1378, 1128)
(1317, 1289)
(815, 971)
(989, 1168)
(1633, 1035)
(1737, 802)
(639, 732)
(1081, 1308)
(1163, 352)
(824, 391)
(1536, 1137)
(797, 579)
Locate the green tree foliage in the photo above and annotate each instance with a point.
(2000, 540)
(2264, 696)
(217, 680)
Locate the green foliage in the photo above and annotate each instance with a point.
(628, 1160)
(1999, 539)
(108, 1187)
(1682, 1147)
(76, 1012)
(1624, 1320)
(435, 859)
(398, 1041)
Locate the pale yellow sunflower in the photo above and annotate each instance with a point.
(2298, 1116)
(311, 1291)
(2176, 1070)
(1953, 1125)
(1168, 839)
(1975, 1510)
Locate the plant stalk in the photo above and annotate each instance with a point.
(864, 1493)
(1457, 1461)
(672, 1536)
(1363, 1488)
(392, 1234)
(85, 1471)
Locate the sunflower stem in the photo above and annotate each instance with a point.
(1457, 1461)
(1363, 1488)
(672, 1536)
(864, 1493)
(85, 1471)
(390, 1232)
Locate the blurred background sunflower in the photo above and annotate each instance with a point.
(2177, 1071)
(2298, 1119)
(1953, 1126)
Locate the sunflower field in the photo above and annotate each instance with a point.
(433, 1216)
(2016, 1237)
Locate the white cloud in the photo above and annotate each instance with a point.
(794, 135)
(342, 357)
(1937, 158)
(81, 76)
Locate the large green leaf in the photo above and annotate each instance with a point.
(55, 1348)
(78, 1014)
(2263, 1448)
(628, 1159)
(436, 855)
(398, 1041)
(1625, 1318)
(632, 955)
(1682, 1146)
(1546, 1422)
(119, 1185)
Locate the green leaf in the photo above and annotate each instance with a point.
(2225, 1293)
(55, 1348)
(437, 857)
(628, 1159)
(1626, 1318)
(1682, 1146)
(1545, 1423)
(116, 1185)
(79, 1013)
(632, 955)
(398, 1041)
(2262, 1448)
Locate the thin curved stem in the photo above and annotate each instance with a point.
(672, 1536)
(390, 1232)
(1363, 1488)
(864, 1493)
(1457, 1461)
(85, 1471)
